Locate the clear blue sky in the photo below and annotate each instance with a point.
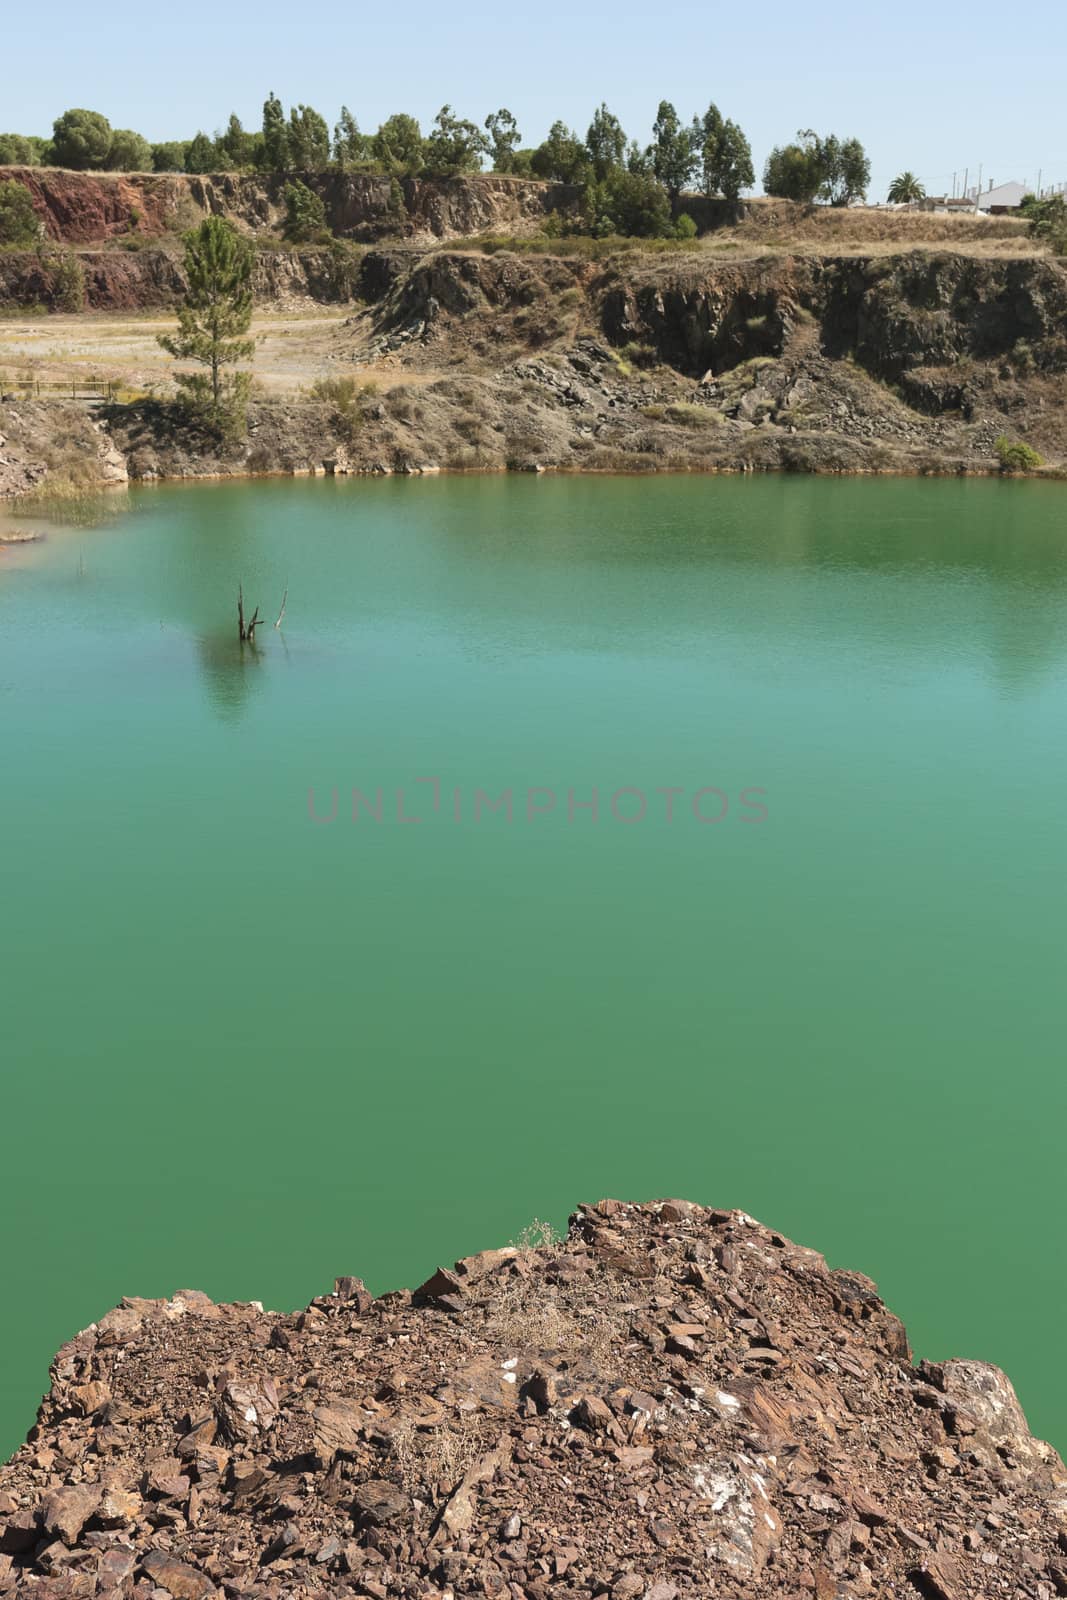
(933, 87)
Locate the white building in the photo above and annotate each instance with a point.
(1005, 197)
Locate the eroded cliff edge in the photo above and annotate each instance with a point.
(916, 361)
(672, 1402)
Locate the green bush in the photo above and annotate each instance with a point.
(305, 214)
(68, 281)
(345, 398)
(688, 415)
(16, 151)
(1014, 456)
(169, 157)
(129, 152)
(638, 354)
(18, 219)
(685, 227)
(628, 203)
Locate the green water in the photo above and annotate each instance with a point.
(247, 1053)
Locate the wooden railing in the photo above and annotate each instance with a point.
(62, 388)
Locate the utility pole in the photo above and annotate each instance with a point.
(979, 180)
(953, 186)
(966, 175)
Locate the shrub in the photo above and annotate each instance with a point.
(688, 415)
(1048, 220)
(1014, 456)
(129, 152)
(169, 157)
(345, 397)
(305, 214)
(638, 354)
(69, 282)
(628, 203)
(685, 227)
(345, 262)
(18, 219)
(16, 151)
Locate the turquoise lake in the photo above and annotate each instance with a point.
(246, 1051)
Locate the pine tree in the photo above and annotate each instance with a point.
(275, 135)
(200, 154)
(309, 140)
(235, 144)
(605, 142)
(216, 310)
(349, 145)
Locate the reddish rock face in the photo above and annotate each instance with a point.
(87, 208)
(671, 1403)
(90, 208)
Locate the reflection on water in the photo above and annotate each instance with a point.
(232, 671)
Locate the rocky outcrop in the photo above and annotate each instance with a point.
(359, 206)
(918, 362)
(670, 1403)
(92, 208)
(151, 279)
(56, 443)
(419, 288)
(891, 313)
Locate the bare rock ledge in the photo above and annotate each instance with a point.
(672, 1402)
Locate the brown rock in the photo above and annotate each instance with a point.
(378, 1503)
(337, 1427)
(473, 1268)
(118, 1506)
(441, 1284)
(20, 1533)
(458, 1512)
(66, 1511)
(628, 1587)
(116, 1565)
(178, 1578)
(353, 1292)
(247, 1409)
(938, 1578)
(417, 1457)
(89, 1398)
(592, 1414)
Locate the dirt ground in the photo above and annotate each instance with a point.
(293, 347)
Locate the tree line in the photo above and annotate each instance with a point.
(710, 151)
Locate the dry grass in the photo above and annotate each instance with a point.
(435, 1459)
(875, 225)
(773, 226)
(538, 1237)
(567, 1320)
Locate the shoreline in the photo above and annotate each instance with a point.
(25, 503)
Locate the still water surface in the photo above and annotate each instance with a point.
(247, 1053)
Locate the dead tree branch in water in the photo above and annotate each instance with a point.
(281, 613)
(246, 631)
